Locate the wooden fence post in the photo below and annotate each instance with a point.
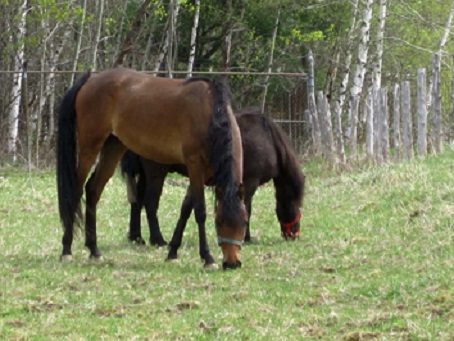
(407, 121)
(384, 126)
(370, 131)
(377, 126)
(396, 123)
(338, 132)
(324, 115)
(353, 143)
(422, 113)
(314, 121)
(436, 107)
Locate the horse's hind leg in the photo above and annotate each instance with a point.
(110, 155)
(86, 159)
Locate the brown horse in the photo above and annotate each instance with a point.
(169, 121)
(268, 155)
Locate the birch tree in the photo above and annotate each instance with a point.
(443, 40)
(360, 72)
(16, 91)
(193, 37)
(377, 67)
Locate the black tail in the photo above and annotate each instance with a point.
(130, 164)
(68, 196)
(220, 135)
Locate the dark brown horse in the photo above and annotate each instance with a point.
(169, 121)
(267, 155)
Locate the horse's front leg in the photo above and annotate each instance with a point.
(185, 213)
(200, 218)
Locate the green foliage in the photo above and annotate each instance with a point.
(374, 261)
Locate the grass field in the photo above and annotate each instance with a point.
(375, 261)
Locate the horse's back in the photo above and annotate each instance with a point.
(135, 106)
(260, 158)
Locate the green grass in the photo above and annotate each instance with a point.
(375, 261)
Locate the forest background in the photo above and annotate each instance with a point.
(357, 46)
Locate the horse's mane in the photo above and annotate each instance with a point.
(221, 153)
(288, 161)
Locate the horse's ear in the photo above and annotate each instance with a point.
(241, 191)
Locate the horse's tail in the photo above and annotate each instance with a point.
(68, 191)
(131, 168)
(220, 135)
(130, 164)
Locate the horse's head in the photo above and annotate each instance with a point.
(289, 216)
(230, 228)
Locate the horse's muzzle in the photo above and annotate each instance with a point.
(231, 266)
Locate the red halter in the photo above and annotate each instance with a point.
(287, 227)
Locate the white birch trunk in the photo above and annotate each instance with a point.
(444, 39)
(193, 38)
(363, 48)
(16, 91)
(171, 35)
(348, 57)
(163, 48)
(377, 68)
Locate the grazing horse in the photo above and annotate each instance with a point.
(267, 155)
(170, 121)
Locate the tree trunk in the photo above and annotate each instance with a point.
(363, 48)
(99, 20)
(16, 91)
(79, 42)
(444, 39)
(348, 57)
(193, 37)
(270, 60)
(377, 67)
(171, 36)
(128, 43)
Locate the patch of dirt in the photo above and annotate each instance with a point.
(361, 336)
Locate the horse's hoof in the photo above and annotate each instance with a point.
(96, 257)
(138, 241)
(211, 267)
(66, 258)
(159, 243)
(171, 259)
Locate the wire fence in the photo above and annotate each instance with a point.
(41, 91)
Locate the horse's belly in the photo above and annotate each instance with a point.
(154, 145)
